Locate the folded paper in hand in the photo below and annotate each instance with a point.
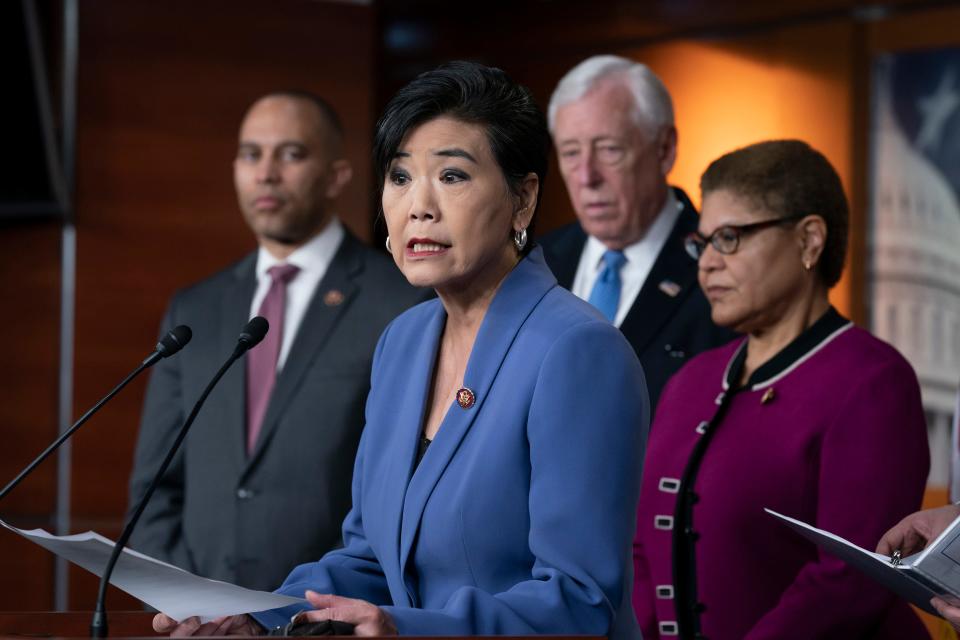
(164, 587)
(935, 571)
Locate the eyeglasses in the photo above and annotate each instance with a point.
(726, 239)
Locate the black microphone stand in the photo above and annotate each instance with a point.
(98, 626)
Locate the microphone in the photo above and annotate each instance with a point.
(169, 344)
(250, 336)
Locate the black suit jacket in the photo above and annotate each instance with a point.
(664, 330)
(250, 519)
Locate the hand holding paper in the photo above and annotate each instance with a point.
(933, 573)
(240, 625)
(916, 531)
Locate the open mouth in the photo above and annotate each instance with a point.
(425, 247)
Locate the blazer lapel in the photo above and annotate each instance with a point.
(519, 294)
(315, 328)
(405, 434)
(235, 310)
(673, 275)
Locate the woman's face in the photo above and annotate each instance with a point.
(449, 211)
(754, 287)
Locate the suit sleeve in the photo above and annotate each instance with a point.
(586, 428)
(352, 571)
(159, 532)
(873, 469)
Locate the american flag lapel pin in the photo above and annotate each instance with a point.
(670, 288)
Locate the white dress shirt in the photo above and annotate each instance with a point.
(640, 258)
(313, 259)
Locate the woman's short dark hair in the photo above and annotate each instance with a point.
(473, 93)
(790, 179)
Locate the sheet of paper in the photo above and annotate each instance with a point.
(902, 580)
(167, 588)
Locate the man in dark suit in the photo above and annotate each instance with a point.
(612, 123)
(262, 483)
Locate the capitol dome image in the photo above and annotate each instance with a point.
(914, 258)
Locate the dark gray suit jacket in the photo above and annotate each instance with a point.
(250, 520)
(664, 330)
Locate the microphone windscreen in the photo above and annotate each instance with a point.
(253, 331)
(176, 339)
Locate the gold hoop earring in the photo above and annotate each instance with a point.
(389, 250)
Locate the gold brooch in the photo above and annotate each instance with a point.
(768, 396)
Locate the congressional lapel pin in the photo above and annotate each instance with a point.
(333, 297)
(670, 288)
(465, 398)
(768, 396)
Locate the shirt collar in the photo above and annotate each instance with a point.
(315, 255)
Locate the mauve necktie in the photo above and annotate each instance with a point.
(262, 360)
(606, 290)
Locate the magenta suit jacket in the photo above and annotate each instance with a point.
(836, 439)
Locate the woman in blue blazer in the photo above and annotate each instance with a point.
(497, 479)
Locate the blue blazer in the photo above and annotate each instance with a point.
(520, 517)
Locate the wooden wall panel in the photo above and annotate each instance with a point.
(29, 308)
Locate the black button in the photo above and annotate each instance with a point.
(699, 607)
(693, 535)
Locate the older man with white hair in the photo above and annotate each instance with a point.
(612, 124)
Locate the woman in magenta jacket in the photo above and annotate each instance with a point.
(807, 415)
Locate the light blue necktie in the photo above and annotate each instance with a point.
(606, 290)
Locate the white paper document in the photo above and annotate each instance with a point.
(935, 571)
(164, 587)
